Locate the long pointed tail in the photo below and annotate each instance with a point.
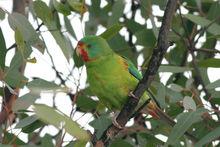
(157, 113)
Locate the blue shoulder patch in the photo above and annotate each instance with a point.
(132, 69)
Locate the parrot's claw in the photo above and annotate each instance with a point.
(115, 123)
(132, 95)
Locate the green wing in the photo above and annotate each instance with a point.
(132, 69)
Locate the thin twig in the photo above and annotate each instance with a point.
(191, 47)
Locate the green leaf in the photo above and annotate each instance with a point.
(3, 50)
(79, 143)
(184, 121)
(212, 62)
(22, 103)
(111, 31)
(173, 69)
(117, 12)
(161, 93)
(44, 13)
(63, 42)
(176, 87)
(26, 121)
(214, 134)
(100, 125)
(77, 60)
(38, 85)
(62, 8)
(146, 38)
(214, 28)
(47, 141)
(86, 104)
(120, 143)
(20, 41)
(12, 139)
(189, 103)
(189, 83)
(14, 78)
(134, 26)
(213, 85)
(173, 96)
(20, 22)
(33, 126)
(41, 9)
(69, 27)
(2, 14)
(77, 6)
(60, 120)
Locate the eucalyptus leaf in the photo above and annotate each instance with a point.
(117, 12)
(100, 125)
(2, 14)
(184, 121)
(3, 50)
(38, 85)
(25, 101)
(69, 27)
(77, 6)
(173, 69)
(26, 121)
(41, 9)
(19, 22)
(189, 103)
(111, 31)
(212, 62)
(213, 85)
(60, 120)
(62, 8)
(214, 134)
(213, 28)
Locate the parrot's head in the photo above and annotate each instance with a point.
(90, 48)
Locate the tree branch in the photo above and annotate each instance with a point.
(8, 97)
(155, 61)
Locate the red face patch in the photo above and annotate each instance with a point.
(84, 55)
(81, 50)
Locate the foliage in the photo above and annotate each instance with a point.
(131, 28)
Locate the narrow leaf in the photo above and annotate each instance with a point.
(173, 69)
(111, 31)
(22, 103)
(60, 120)
(62, 8)
(189, 103)
(213, 85)
(214, 28)
(26, 121)
(176, 87)
(212, 62)
(69, 27)
(38, 85)
(117, 12)
(184, 121)
(77, 6)
(209, 137)
(41, 9)
(20, 22)
(3, 50)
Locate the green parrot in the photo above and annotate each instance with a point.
(110, 76)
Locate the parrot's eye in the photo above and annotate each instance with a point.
(89, 45)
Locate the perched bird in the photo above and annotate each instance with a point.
(110, 76)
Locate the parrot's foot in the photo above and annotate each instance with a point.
(115, 123)
(132, 95)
